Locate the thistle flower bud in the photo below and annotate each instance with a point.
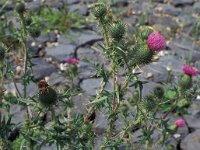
(117, 31)
(149, 102)
(100, 11)
(145, 32)
(28, 21)
(185, 82)
(34, 32)
(2, 54)
(142, 55)
(158, 91)
(183, 103)
(47, 95)
(20, 7)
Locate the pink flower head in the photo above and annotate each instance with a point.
(72, 61)
(156, 42)
(180, 123)
(192, 71)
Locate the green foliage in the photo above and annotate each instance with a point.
(20, 7)
(117, 31)
(195, 32)
(125, 103)
(61, 20)
(48, 97)
(185, 82)
(100, 11)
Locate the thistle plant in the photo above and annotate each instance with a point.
(124, 103)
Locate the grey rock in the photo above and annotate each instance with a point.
(172, 62)
(148, 88)
(35, 49)
(191, 141)
(80, 103)
(34, 5)
(8, 7)
(196, 7)
(133, 20)
(58, 80)
(80, 38)
(69, 2)
(101, 123)
(91, 56)
(166, 21)
(80, 9)
(85, 70)
(188, 21)
(142, 7)
(60, 52)
(84, 37)
(31, 89)
(137, 136)
(91, 86)
(182, 2)
(168, 9)
(98, 142)
(159, 72)
(185, 42)
(52, 147)
(52, 36)
(42, 68)
(193, 119)
(185, 47)
(121, 3)
(158, 1)
(18, 112)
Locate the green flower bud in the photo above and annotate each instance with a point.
(20, 7)
(100, 11)
(149, 102)
(141, 55)
(47, 95)
(34, 32)
(183, 103)
(28, 21)
(117, 31)
(185, 82)
(172, 128)
(145, 32)
(158, 91)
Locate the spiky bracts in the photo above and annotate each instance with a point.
(185, 82)
(117, 31)
(140, 54)
(47, 95)
(20, 7)
(100, 11)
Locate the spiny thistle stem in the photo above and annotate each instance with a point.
(25, 65)
(92, 108)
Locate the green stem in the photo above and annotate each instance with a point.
(92, 108)
(25, 65)
(53, 115)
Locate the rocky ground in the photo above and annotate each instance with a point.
(173, 18)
